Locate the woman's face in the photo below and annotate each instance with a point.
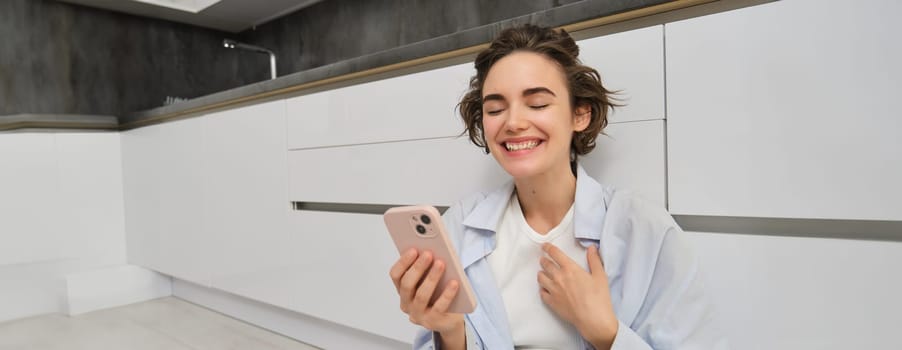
(527, 117)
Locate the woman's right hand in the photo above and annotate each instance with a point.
(416, 277)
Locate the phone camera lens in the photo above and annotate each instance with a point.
(421, 229)
(425, 219)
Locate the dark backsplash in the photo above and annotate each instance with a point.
(68, 59)
(335, 30)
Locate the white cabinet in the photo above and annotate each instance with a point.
(413, 106)
(206, 200)
(185, 246)
(787, 109)
(340, 262)
(803, 293)
(443, 171)
(140, 169)
(633, 63)
(436, 172)
(163, 170)
(631, 156)
(245, 201)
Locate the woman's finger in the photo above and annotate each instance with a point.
(548, 265)
(444, 301)
(413, 275)
(545, 295)
(427, 288)
(545, 281)
(400, 267)
(558, 256)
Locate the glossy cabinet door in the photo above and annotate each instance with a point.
(803, 293)
(245, 201)
(414, 106)
(443, 171)
(206, 200)
(141, 166)
(632, 64)
(787, 109)
(340, 262)
(164, 197)
(631, 156)
(437, 172)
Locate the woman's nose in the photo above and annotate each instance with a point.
(517, 120)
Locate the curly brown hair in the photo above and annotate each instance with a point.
(583, 82)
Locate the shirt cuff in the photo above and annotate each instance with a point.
(472, 340)
(627, 339)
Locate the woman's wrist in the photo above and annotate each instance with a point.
(601, 336)
(455, 338)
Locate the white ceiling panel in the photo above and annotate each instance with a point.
(227, 15)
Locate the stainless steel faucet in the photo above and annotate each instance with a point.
(232, 44)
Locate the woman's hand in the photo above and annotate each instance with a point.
(579, 297)
(415, 277)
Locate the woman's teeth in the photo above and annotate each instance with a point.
(521, 145)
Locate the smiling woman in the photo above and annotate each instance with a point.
(556, 260)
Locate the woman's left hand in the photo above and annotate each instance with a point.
(578, 296)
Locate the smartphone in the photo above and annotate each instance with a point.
(421, 227)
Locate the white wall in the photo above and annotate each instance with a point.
(61, 212)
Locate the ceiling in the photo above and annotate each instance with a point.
(226, 15)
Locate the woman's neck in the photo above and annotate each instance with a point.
(546, 198)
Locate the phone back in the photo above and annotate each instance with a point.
(421, 227)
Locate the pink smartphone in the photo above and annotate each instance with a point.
(421, 227)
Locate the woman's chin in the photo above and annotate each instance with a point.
(520, 170)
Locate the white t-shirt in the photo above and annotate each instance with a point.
(515, 266)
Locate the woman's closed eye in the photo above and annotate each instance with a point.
(494, 111)
(538, 106)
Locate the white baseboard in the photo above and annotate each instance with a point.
(307, 329)
(114, 286)
(34, 288)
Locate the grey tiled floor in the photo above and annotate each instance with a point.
(166, 323)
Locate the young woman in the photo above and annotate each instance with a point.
(556, 260)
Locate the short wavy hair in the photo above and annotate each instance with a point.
(583, 82)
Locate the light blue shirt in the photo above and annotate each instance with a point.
(656, 289)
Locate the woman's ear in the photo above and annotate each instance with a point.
(582, 115)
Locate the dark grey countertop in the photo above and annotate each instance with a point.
(58, 121)
(585, 11)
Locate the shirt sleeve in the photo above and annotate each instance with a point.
(676, 313)
(627, 339)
